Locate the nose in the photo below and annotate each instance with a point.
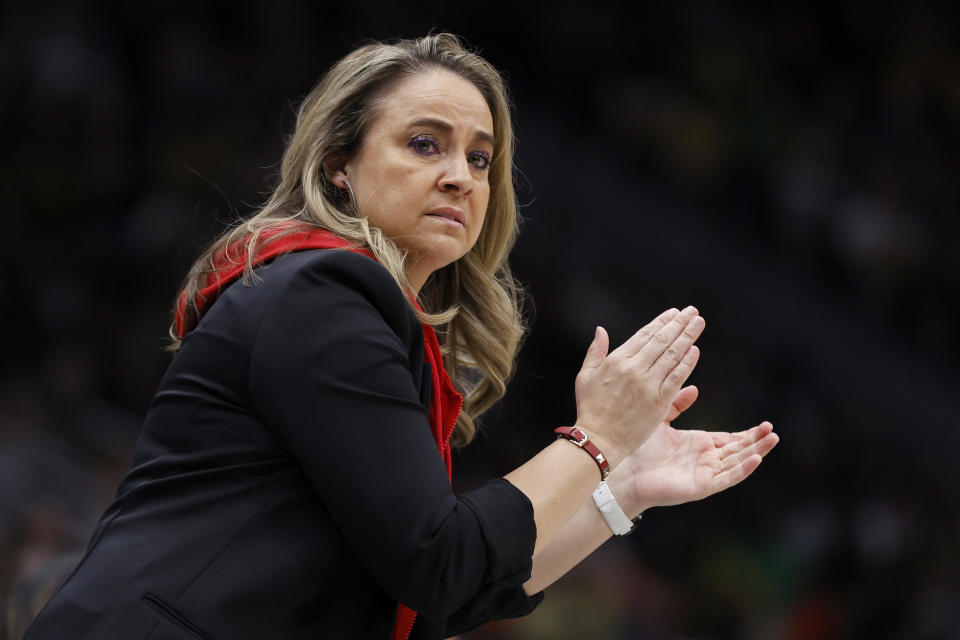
(455, 177)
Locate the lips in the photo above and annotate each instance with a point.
(454, 216)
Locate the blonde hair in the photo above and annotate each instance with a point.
(475, 302)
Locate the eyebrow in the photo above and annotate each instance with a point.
(447, 127)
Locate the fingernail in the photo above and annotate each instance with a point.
(689, 309)
(697, 322)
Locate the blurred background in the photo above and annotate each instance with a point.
(792, 172)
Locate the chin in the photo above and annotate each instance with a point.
(445, 251)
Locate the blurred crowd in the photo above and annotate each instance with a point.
(791, 172)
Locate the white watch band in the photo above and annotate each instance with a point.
(611, 511)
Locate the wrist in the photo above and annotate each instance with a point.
(583, 441)
(611, 451)
(612, 512)
(625, 491)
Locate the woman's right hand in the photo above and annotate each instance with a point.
(624, 396)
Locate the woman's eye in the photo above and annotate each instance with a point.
(424, 145)
(479, 159)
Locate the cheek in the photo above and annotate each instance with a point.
(386, 195)
(483, 201)
(482, 205)
(409, 189)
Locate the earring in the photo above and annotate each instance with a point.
(353, 197)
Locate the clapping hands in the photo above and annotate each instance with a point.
(624, 395)
(634, 392)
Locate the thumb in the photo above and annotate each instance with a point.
(683, 401)
(597, 351)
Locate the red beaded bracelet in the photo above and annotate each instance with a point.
(582, 440)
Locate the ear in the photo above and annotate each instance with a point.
(334, 169)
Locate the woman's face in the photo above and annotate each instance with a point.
(420, 174)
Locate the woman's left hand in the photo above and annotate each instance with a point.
(676, 466)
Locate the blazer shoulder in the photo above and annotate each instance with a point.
(334, 266)
(337, 277)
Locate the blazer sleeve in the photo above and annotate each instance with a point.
(330, 374)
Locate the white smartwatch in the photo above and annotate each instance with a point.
(610, 509)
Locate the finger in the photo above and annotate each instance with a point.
(746, 436)
(684, 400)
(736, 452)
(734, 447)
(741, 456)
(737, 444)
(672, 353)
(761, 429)
(735, 475)
(750, 436)
(663, 337)
(723, 438)
(675, 379)
(597, 350)
(641, 337)
(766, 445)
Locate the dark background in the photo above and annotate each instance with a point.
(791, 172)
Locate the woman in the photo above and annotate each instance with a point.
(292, 478)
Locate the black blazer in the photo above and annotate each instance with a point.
(286, 484)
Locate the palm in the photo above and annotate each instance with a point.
(675, 466)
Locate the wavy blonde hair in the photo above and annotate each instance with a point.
(475, 302)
